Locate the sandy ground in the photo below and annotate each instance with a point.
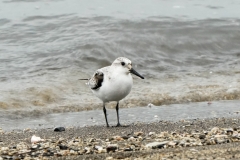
(230, 150)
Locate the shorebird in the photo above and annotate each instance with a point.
(113, 83)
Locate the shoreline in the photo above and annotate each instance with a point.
(215, 137)
(148, 114)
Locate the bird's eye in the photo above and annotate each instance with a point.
(122, 63)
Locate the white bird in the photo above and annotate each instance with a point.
(113, 83)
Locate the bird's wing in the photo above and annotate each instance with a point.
(95, 82)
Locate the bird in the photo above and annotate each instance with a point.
(113, 83)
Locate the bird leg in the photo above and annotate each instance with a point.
(105, 114)
(118, 123)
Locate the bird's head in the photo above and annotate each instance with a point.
(126, 65)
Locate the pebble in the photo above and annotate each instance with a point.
(137, 141)
(155, 145)
(112, 147)
(59, 129)
(152, 134)
(1, 130)
(138, 133)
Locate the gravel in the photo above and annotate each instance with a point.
(217, 138)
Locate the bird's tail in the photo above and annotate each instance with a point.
(85, 79)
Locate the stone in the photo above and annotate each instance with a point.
(63, 147)
(4, 148)
(59, 129)
(35, 139)
(118, 138)
(112, 147)
(87, 150)
(214, 131)
(72, 152)
(171, 143)
(131, 139)
(229, 132)
(127, 149)
(92, 140)
(155, 145)
(138, 133)
(35, 147)
(202, 136)
(220, 136)
(152, 134)
(100, 149)
(125, 137)
(26, 130)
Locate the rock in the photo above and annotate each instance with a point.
(229, 131)
(63, 147)
(138, 133)
(220, 136)
(59, 129)
(152, 134)
(100, 149)
(36, 139)
(154, 145)
(171, 143)
(112, 147)
(4, 148)
(214, 131)
(33, 154)
(87, 150)
(118, 138)
(193, 150)
(220, 140)
(163, 135)
(125, 137)
(131, 139)
(202, 136)
(127, 149)
(173, 133)
(35, 147)
(92, 140)
(133, 147)
(26, 130)
(72, 152)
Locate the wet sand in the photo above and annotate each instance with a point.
(175, 112)
(228, 149)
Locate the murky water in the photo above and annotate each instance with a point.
(188, 51)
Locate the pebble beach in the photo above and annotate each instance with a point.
(187, 107)
(216, 138)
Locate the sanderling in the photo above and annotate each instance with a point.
(113, 83)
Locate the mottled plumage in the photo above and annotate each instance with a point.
(96, 81)
(113, 83)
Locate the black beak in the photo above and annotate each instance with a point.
(136, 73)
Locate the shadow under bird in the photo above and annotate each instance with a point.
(113, 83)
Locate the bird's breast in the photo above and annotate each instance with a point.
(115, 88)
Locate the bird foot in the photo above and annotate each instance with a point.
(118, 125)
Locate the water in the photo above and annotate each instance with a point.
(188, 51)
(174, 112)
